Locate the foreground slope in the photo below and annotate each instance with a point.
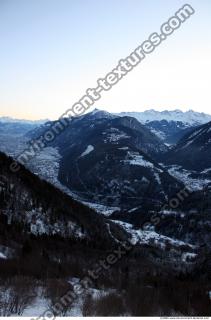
(41, 209)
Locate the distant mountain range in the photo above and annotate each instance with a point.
(114, 161)
(24, 121)
(170, 126)
(190, 118)
(11, 126)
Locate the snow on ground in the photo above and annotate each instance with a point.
(188, 256)
(89, 149)
(46, 164)
(149, 237)
(114, 135)
(172, 213)
(77, 306)
(99, 208)
(195, 133)
(184, 176)
(76, 309)
(135, 159)
(158, 133)
(37, 308)
(6, 252)
(123, 148)
(208, 170)
(41, 304)
(157, 177)
(187, 144)
(134, 209)
(189, 117)
(2, 256)
(139, 160)
(40, 223)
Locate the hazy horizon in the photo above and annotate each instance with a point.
(103, 109)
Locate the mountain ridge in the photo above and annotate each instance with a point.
(193, 150)
(189, 117)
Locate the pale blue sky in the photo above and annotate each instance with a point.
(51, 51)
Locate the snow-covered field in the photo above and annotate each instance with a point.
(185, 177)
(134, 158)
(151, 237)
(114, 135)
(138, 160)
(41, 304)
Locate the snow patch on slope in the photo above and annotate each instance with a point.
(114, 135)
(89, 149)
(184, 176)
(99, 208)
(135, 159)
(2, 256)
(139, 160)
(150, 237)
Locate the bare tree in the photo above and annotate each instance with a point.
(16, 294)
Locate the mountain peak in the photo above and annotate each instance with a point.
(98, 114)
(189, 117)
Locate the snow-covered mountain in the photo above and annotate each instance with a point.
(191, 118)
(85, 133)
(170, 126)
(100, 134)
(112, 161)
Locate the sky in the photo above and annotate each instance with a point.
(51, 51)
